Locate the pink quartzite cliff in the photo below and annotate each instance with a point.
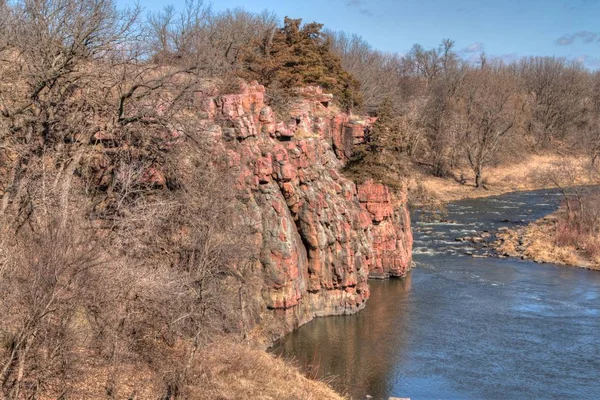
(319, 236)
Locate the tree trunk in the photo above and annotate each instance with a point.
(66, 186)
(478, 179)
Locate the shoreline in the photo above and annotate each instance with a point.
(530, 174)
(536, 241)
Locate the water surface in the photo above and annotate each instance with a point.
(459, 327)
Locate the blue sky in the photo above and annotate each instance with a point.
(503, 28)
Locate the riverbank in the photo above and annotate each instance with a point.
(535, 172)
(537, 241)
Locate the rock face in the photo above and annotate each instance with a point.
(389, 221)
(319, 236)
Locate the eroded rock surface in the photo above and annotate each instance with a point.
(389, 222)
(319, 236)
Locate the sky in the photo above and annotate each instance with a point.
(507, 29)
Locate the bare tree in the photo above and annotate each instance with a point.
(213, 43)
(380, 74)
(431, 63)
(556, 89)
(45, 282)
(437, 119)
(589, 138)
(488, 105)
(48, 70)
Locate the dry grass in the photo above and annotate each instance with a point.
(235, 371)
(538, 241)
(503, 179)
(223, 371)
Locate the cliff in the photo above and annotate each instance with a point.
(318, 236)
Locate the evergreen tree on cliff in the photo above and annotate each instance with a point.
(299, 55)
(382, 134)
(380, 156)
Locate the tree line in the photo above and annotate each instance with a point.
(448, 112)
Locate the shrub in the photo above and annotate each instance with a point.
(579, 224)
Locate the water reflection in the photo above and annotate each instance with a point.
(336, 345)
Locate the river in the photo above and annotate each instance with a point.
(460, 327)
